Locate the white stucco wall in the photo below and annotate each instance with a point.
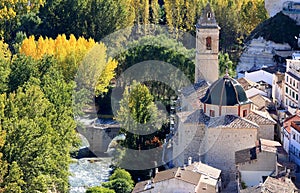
(264, 165)
(286, 140)
(253, 178)
(259, 75)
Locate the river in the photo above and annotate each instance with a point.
(88, 172)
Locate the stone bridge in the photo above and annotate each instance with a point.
(99, 133)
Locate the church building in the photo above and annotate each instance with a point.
(221, 121)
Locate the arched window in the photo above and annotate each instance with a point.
(208, 15)
(208, 43)
(212, 113)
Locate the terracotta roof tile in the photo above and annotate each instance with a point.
(246, 83)
(261, 118)
(279, 185)
(165, 175)
(193, 117)
(231, 121)
(141, 187)
(260, 101)
(205, 169)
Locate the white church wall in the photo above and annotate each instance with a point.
(246, 108)
(229, 110)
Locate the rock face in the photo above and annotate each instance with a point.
(274, 6)
(259, 53)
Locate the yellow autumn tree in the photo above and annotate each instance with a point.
(80, 57)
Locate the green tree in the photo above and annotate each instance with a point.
(138, 115)
(89, 18)
(39, 124)
(120, 181)
(5, 59)
(225, 64)
(99, 189)
(14, 181)
(3, 164)
(121, 173)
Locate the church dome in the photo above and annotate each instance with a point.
(225, 92)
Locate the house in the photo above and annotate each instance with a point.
(265, 122)
(273, 185)
(277, 89)
(259, 75)
(294, 147)
(255, 91)
(260, 102)
(247, 84)
(286, 130)
(291, 85)
(197, 177)
(256, 163)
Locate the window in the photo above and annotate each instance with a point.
(286, 89)
(208, 43)
(287, 79)
(293, 83)
(212, 113)
(296, 96)
(208, 15)
(294, 136)
(244, 113)
(293, 94)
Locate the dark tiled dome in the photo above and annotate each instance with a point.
(225, 92)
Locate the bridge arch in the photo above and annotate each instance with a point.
(99, 133)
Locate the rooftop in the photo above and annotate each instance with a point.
(193, 117)
(296, 125)
(225, 91)
(278, 185)
(203, 177)
(246, 83)
(205, 169)
(232, 122)
(261, 118)
(260, 101)
(207, 19)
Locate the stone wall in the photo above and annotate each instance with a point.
(266, 132)
(188, 143)
(99, 138)
(221, 145)
(207, 66)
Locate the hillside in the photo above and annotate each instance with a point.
(279, 29)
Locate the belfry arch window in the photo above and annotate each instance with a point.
(208, 43)
(208, 15)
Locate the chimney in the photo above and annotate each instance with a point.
(179, 174)
(190, 161)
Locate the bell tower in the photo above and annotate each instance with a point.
(207, 47)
